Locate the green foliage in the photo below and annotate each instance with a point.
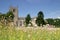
(55, 22)
(0, 16)
(40, 19)
(27, 19)
(50, 21)
(9, 16)
(6, 18)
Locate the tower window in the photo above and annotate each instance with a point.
(13, 10)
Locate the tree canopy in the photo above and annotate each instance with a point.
(40, 19)
(8, 17)
(27, 19)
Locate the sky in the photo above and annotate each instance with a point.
(50, 8)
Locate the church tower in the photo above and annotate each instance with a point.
(15, 12)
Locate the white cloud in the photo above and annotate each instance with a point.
(56, 14)
(59, 17)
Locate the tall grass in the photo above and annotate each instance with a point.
(24, 33)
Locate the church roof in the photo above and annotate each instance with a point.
(21, 18)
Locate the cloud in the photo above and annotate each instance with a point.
(55, 14)
(58, 17)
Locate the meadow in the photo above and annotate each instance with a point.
(29, 33)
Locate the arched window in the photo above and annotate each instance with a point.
(13, 10)
(20, 23)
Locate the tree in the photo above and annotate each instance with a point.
(0, 16)
(40, 19)
(55, 22)
(50, 21)
(6, 18)
(9, 16)
(27, 19)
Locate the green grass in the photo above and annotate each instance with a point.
(12, 33)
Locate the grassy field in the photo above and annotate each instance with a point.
(29, 33)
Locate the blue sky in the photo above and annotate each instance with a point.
(50, 8)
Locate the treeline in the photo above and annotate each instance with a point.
(6, 18)
(55, 22)
(40, 21)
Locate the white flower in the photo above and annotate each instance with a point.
(28, 35)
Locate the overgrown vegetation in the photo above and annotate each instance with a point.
(6, 18)
(12, 33)
(55, 22)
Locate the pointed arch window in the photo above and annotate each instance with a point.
(13, 10)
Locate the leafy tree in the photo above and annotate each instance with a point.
(9, 16)
(40, 19)
(6, 18)
(0, 16)
(27, 19)
(55, 22)
(50, 21)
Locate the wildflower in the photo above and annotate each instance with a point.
(28, 35)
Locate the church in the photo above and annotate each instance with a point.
(20, 21)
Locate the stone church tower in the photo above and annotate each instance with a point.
(15, 12)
